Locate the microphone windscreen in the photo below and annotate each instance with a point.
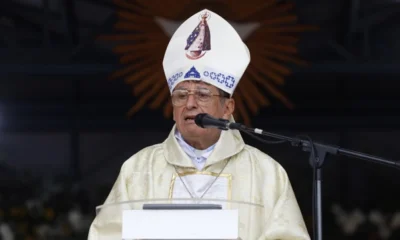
(199, 119)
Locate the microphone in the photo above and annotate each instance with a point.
(204, 120)
(318, 153)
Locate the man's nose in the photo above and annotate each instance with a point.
(191, 102)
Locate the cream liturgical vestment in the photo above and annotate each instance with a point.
(246, 174)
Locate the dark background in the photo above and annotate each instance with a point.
(64, 132)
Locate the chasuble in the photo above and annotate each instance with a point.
(233, 171)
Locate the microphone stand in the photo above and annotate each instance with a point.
(318, 152)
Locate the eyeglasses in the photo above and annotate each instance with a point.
(202, 96)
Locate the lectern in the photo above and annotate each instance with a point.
(178, 219)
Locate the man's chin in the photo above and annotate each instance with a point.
(193, 130)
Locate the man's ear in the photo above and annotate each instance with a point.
(229, 107)
(173, 115)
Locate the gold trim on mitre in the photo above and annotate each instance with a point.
(228, 176)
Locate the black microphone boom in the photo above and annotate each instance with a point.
(206, 121)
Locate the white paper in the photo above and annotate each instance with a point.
(180, 224)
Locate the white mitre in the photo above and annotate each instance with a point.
(207, 48)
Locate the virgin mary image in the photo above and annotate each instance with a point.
(199, 40)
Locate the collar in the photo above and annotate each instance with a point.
(191, 151)
(229, 144)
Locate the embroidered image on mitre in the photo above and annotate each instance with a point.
(207, 48)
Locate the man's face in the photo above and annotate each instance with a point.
(184, 114)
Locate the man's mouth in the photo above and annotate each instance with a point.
(189, 119)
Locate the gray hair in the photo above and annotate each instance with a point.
(224, 95)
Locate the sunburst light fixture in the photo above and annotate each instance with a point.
(268, 28)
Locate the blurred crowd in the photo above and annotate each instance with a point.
(51, 212)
